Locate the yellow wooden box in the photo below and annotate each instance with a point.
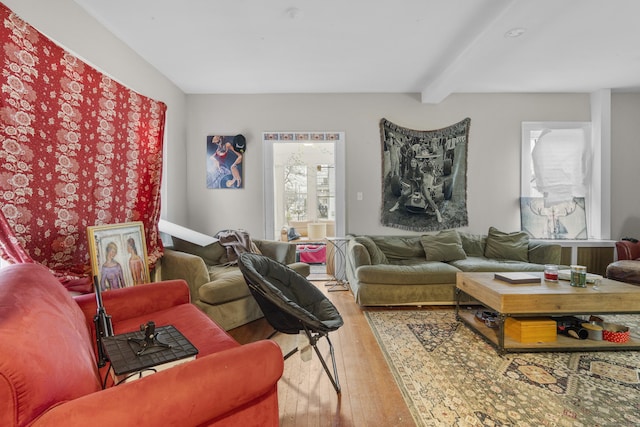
(531, 329)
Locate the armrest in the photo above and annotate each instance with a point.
(189, 394)
(126, 303)
(283, 252)
(183, 265)
(357, 254)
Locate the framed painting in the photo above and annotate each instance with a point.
(561, 220)
(118, 255)
(224, 161)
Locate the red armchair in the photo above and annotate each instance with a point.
(627, 267)
(49, 375)
(628, 250)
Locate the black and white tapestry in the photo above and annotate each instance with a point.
(424, 177)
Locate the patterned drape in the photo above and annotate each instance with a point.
(76, 149)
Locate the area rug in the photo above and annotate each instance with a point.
(449, 376)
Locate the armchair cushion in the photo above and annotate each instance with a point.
(223, 288)
(626, 270)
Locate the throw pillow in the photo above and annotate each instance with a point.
(473, 244)
(445, 246)
(501, 245)
(377, 256)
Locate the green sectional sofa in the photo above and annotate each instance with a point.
(421, 269)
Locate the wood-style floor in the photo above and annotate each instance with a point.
(369, 397)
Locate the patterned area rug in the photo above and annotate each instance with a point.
(449, 376)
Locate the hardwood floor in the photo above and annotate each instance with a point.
(370, 396)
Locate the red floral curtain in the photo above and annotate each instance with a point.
(76, 149)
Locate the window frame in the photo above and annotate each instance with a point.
(594, 186)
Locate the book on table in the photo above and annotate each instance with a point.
(518, 278)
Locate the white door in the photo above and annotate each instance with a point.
(303, 179)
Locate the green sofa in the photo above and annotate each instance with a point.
(217, 288)
(421, 269)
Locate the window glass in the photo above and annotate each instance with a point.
(556, 159)
(557, 166)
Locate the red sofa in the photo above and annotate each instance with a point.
(627, 267)
(49, 374)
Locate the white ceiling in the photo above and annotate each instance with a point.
(432, 47)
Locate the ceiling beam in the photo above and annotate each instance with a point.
(444, 82)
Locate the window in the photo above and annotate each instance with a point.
(304, 175)
(557, 164)
(295, 193)
(556, 160)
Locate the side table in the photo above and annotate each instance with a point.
(129, 358)
(336, 247)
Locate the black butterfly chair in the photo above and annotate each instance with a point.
(291, 304)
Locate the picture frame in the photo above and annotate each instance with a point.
(118, 255)
(555, 221)
(225, 167)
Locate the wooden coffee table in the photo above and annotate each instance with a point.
(544, 299)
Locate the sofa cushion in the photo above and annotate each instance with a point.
(444, 246)
(470, 264)
(541, 252)
(473, 244)
(399, 247)
(377, 256)
(422, 273)
(501, 245)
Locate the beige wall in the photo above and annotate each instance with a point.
(625, 171)
(494, 148)
(494, 144)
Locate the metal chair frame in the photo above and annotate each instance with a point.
(314, 333)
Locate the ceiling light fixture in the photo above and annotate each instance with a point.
(293, 12)
(514, 32)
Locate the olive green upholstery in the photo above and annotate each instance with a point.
(217, 288)
(413, 270)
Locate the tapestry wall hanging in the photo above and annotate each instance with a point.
(77, 149)
(563, 220)
(224, 161)
(424, 177)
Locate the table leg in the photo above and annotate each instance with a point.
(501, 319)
(458, 296)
